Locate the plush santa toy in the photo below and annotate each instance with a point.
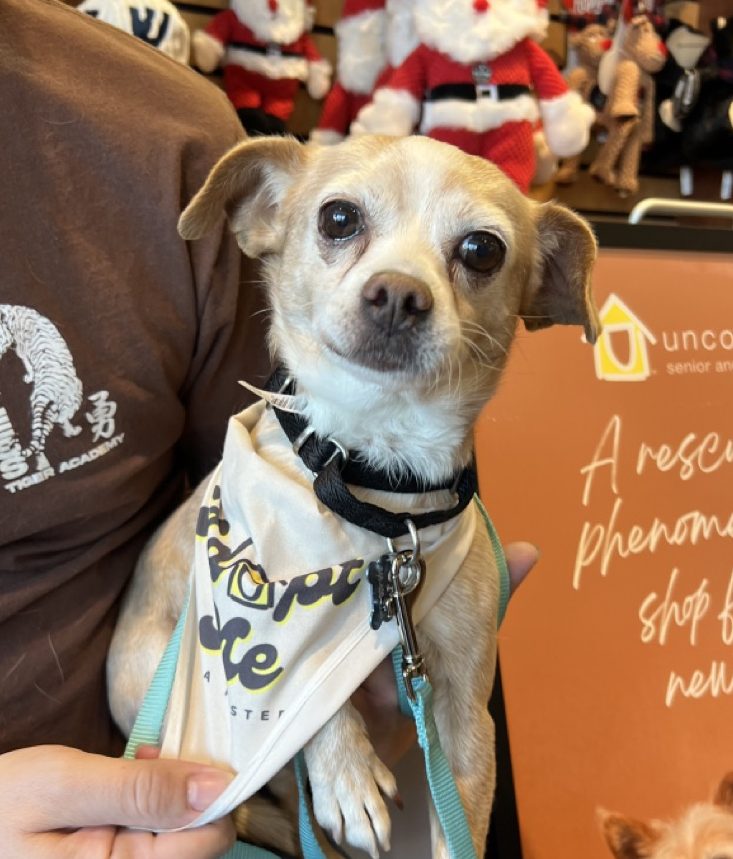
(475, 80)
(156, 22)
(362, 54)
(266, 52)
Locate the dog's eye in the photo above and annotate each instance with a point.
(340, 220)
(482, 252)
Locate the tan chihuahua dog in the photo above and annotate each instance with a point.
(397, 270)
(703, 831)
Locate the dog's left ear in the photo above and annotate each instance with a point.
(562, 291)
(248, 185)
(724, 793)
(627, 838)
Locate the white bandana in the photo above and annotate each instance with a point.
(277, 635)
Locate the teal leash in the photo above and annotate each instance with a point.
(443, 790)
(148, 725)
(446, 799)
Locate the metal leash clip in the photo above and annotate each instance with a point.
(392, 577)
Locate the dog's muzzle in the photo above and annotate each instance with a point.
(395, 309)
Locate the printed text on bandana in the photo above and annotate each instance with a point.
(256, 665)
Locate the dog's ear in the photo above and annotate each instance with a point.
(248, 185)
(562, 291)
(627, 838)
(724, 793)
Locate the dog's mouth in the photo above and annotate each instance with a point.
(372, 353)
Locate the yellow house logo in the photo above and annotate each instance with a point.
(619, 322)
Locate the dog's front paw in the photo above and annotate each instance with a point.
(349, 782)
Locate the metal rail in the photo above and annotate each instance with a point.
(662, 206)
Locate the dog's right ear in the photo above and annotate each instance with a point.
(566, 253)
(248, 186)
(627, 838)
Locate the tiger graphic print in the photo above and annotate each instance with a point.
(57, 392)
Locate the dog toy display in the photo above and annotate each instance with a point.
(704, 829)
(625, 75)
(676, 87)
(702, 109)
(157, 22)
(266, 51)
(475, 80)
(361, 37)
(352, 481)
(590, 44)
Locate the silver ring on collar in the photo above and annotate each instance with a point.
(413, 535)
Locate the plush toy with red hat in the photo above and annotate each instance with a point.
(361, 36)
(266, 51)
(479, 80)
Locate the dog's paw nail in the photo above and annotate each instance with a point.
(397, 799)
(385, 779)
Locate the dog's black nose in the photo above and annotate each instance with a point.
(394, 301)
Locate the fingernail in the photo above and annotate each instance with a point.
(204, 787)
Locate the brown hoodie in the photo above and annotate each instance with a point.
(120, 345)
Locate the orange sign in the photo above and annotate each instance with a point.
(617, 461)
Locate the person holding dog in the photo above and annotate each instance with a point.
(120, 352)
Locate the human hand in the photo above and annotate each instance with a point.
(520, 559)
(376, 699)
(61, 803)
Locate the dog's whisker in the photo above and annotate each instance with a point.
(452, 393)
(457, 394)
(450, 377)
(480, 356)
(475, 349)
(475, 327)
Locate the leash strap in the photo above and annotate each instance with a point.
(149, 722)
(308, 840)
(248, 851)
(447, 801)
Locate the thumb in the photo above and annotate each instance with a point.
(67, 788)
(520, 559)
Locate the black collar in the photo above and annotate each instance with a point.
(334, 467)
